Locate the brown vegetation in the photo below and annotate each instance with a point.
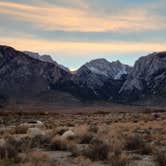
(115, 137)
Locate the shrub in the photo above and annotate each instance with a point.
(9, 151)
(38, 158)
(86, 138)
(21, 129)
(98, 150)
(82, 134)
(134, 142)
(6, 162)
(160, 157)
(116, 157)
(58, 143)
(60, 130)
(146, 149)
(120, 160)
(2, 152)
(93, 128)
(78, 149)
(40, 141)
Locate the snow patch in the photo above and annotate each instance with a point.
(97, 71)
(121, 72)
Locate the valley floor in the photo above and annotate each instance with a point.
(105, 135)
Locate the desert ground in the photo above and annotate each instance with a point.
(105, 135)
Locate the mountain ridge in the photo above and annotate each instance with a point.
(20, 73)
(26, 73)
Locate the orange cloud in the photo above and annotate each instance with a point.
(80, 47)
(53, 17)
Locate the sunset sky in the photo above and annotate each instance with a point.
(76, 31)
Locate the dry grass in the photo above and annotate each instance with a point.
(160, 157)
(98, 150)
(110, 135)
(9, 151)
(58, 143)
(119, 160)
(37, 158)
(21, 129)
(134, 142)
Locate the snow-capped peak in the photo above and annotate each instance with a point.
(109, 69)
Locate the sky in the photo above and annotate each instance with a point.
(77, 31)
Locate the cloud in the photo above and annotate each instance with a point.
(81, 4)
(74, 48)
(54, 17)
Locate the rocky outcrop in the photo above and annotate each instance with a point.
(148, 77)
(33, 132)
(44, 58)
(68, 134)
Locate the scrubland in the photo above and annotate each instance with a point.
(84, 136)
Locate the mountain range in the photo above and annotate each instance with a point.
(28, 74)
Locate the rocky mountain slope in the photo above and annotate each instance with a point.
(113, 70)
(44, 58)
(148, 78)
(30, 74)
(23, 75)
(97, 79)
